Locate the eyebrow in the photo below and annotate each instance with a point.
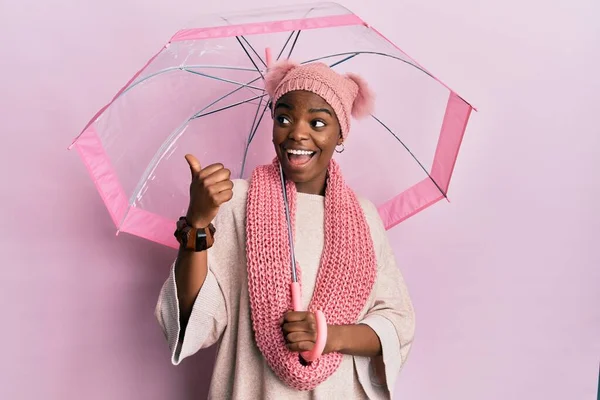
(312, 110)
(318, 110)
(283, 105)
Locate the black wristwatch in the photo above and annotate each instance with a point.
(193, 239)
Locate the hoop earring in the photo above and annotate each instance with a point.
(341, 150)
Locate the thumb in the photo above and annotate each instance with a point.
(194, 165)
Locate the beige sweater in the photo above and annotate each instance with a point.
(221, 312)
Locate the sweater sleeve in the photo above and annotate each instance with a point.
(206, 323)
(391, 316)
(210, 312)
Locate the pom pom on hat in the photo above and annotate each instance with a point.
(364, 102)
(276, 74)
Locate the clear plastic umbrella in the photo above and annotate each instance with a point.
(203, 93)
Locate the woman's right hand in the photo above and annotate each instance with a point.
(210, 188)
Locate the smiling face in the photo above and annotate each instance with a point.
(305, 133)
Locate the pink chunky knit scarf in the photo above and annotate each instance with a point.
(344, 280)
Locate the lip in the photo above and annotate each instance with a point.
(295, 167)
(298, 148)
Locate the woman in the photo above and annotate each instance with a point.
(236, 293)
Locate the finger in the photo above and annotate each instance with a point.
(296, 337)
(219, 187)
(295, 316)
(215, 176)
(223, 197)
(209, 170)
(302, 326)
(194, 164)
(300, 346)
(218, 176)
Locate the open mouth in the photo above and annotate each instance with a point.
(299, 158)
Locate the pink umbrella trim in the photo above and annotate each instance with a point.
(260, 28)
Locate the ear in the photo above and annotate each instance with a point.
(276, 74)
(365, 99)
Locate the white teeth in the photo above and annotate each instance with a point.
(300, 152)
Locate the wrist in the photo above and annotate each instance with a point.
(196, 222)
(334, 338)
(194, 239)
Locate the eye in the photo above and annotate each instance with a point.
(283, 120)
(318, 124)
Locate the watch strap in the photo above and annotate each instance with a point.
(194, 239)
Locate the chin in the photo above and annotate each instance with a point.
(297, 176)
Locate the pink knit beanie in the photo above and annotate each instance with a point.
(348, 95)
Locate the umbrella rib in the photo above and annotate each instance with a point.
(251, 138)
(249, 45)
(185, 68)
(285, 44)
(227, 95)
(411, 153)
(344, 60)
(292, 34)
(371, 53)
(251, 127)
(222, 79)
(250, 57)
(199, 115)
(225, 67)
(254, 51)
(294, 44)
(297, 35)
(254, 129)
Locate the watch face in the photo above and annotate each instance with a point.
(200, 240)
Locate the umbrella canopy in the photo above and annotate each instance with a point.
(202, 93)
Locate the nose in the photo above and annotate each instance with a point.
(299, 132)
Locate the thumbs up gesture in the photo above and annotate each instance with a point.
(210, 187)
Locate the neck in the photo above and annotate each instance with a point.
(315, 186)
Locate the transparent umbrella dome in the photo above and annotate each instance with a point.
(202, 93)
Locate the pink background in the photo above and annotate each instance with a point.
(506, 298)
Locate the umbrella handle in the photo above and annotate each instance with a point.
(317, 350)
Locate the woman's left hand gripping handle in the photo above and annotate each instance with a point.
(304, 332)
